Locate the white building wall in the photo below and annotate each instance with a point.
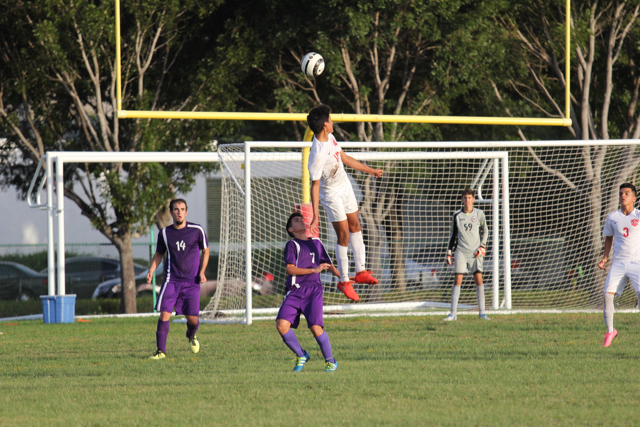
(24, 225)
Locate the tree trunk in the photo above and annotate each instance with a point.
(394, 224)
(127, 274)
(163, 217)
(370, 211)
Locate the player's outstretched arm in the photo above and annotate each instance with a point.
(157, 258)
(292, 270)
(332, 268)
(608, 242)
(353, 163)
(315, 200)
(484, 231)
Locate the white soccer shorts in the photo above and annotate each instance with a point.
(338, 205)
(619, 274)
(465, 263)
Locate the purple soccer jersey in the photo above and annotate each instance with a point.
(181, 287)
(304, 292)
(183, 247)
(305, 254)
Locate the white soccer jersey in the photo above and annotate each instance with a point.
(325, 164)
(625, 230)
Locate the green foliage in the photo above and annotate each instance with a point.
(514, 370)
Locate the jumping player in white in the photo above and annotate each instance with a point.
(468, 239)
(330, 186)
(622, 230)
(187, 250)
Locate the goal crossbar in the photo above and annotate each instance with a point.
(513, 121)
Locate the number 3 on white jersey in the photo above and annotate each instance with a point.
(181, 245)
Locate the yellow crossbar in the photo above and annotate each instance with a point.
(302, 117)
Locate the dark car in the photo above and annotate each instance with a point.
(20, 282)
(83, 274)
(111, 288)
(262, 283)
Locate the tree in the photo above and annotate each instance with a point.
(58, 93)
(604, 96)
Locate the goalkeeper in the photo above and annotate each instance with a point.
(468, 240)
(330, 185)
(305, 259)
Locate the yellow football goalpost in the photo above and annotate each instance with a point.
(385, 118)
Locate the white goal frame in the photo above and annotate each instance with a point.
(499, 160)
(54, 204)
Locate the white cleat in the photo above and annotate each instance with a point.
(450, 318)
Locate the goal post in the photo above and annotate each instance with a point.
(545, 203)
(262, 185)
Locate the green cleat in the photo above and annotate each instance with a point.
(158, 355)
(194, 344)
(330, 367)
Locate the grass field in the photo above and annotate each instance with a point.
(514, 370)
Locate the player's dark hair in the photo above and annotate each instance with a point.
(631, 186)
(293, 215)
(171, 203)
(468, 191)
(317, 118)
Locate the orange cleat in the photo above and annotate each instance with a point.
(365, 276)
(349, 292)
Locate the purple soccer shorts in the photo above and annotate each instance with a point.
(305, 300)
(183, 296)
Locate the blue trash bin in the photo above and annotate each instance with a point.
(58, 308)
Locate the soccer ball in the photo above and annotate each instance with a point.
(312, 64)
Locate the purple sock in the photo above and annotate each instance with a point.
(161, 335)
(192, 329)
(325, 347)
(291, 341)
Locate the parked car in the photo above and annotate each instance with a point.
(426, 267)
(111, 288)
(262, 284)
(520, 278)
(20, 282)
(83, 274)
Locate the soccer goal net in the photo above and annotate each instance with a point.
(543, 210)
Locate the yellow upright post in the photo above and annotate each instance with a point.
(567, 72)
(118, 65)
(305, 208)
(306, 185)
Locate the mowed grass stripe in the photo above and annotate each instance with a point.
(513, 370)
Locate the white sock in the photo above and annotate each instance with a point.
(343, 262)
(359, 253)
(480, 295)
(608, 311)
(455, 296)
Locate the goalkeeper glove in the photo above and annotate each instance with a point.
(482, 250)
(449, 258)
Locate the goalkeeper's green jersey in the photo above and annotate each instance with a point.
(468, 231)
